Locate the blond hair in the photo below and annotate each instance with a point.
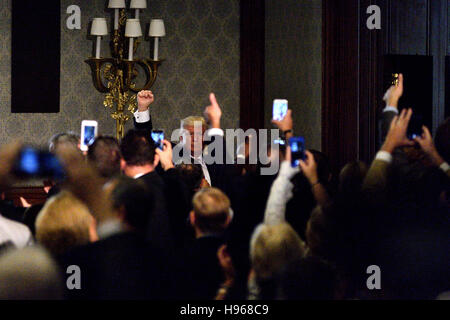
(30, 274)
(211, 210)
(63, 223)
(272, 247)
(192, 120)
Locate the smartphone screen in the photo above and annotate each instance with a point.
(297, 145)
(39, 164)
(88, 133)
(415, 127)
(280, 108)
(158, 137)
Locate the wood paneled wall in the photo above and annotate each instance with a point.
(353, 63)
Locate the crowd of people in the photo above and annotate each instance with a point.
(126, 222)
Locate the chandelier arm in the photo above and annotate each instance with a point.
(151, 71)
(96, 67)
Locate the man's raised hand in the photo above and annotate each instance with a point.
(165, 155)
(427, 145)
(84, 181)
(309, 168)
(213, 113)
(394, 93)
(396, 136)
(286, 123)
(144, 99)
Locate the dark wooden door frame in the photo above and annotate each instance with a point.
(252, 44)
(340, 80)
(352, 60)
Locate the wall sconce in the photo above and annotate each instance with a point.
(118, 72)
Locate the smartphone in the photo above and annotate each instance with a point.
(88, 133)
(280, 108)
(35, 163)
(158, 137)
(415, 126)
(297, 145)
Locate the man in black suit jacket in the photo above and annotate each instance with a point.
(216, 174)
(171, 205)
(210, 218)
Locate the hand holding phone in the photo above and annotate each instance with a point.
(280, 108)
(297, 145)
(309, 168)
(88, 133)
(415, 127)
(158, 137)
(34, 163)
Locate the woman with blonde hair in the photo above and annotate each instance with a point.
(63, 223)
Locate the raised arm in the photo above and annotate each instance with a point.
(84, 181)
(220, 172)
(427, 145)
(376, 178)
(142, 118)
(285, 125)
(391, 97)
(309, 169)
(280, 192)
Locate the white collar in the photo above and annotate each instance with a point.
(199, 158)
(139, 175)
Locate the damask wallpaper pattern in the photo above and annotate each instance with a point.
(201, 51)
(294, 64)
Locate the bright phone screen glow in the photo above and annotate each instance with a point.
(297, 145)
(158, 137)
(89, 135)
(280, 108)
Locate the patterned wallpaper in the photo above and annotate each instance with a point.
(294, 63)
(201, 51)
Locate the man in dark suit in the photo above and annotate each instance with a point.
(193, 141)
(210, 217)
(171, 205)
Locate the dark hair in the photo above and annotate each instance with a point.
(323, 166)
(105, 154)
(136, 199)
(351, 178)
(137, 148)
(442, 140)
(191, 175)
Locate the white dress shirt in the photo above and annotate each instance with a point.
(209, 133)
(200, 161)
(142, 116)
(387, 108)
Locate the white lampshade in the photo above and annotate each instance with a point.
(133, 28)
(138, 4)
(157, 28)
(116, 4)
(99, 27)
